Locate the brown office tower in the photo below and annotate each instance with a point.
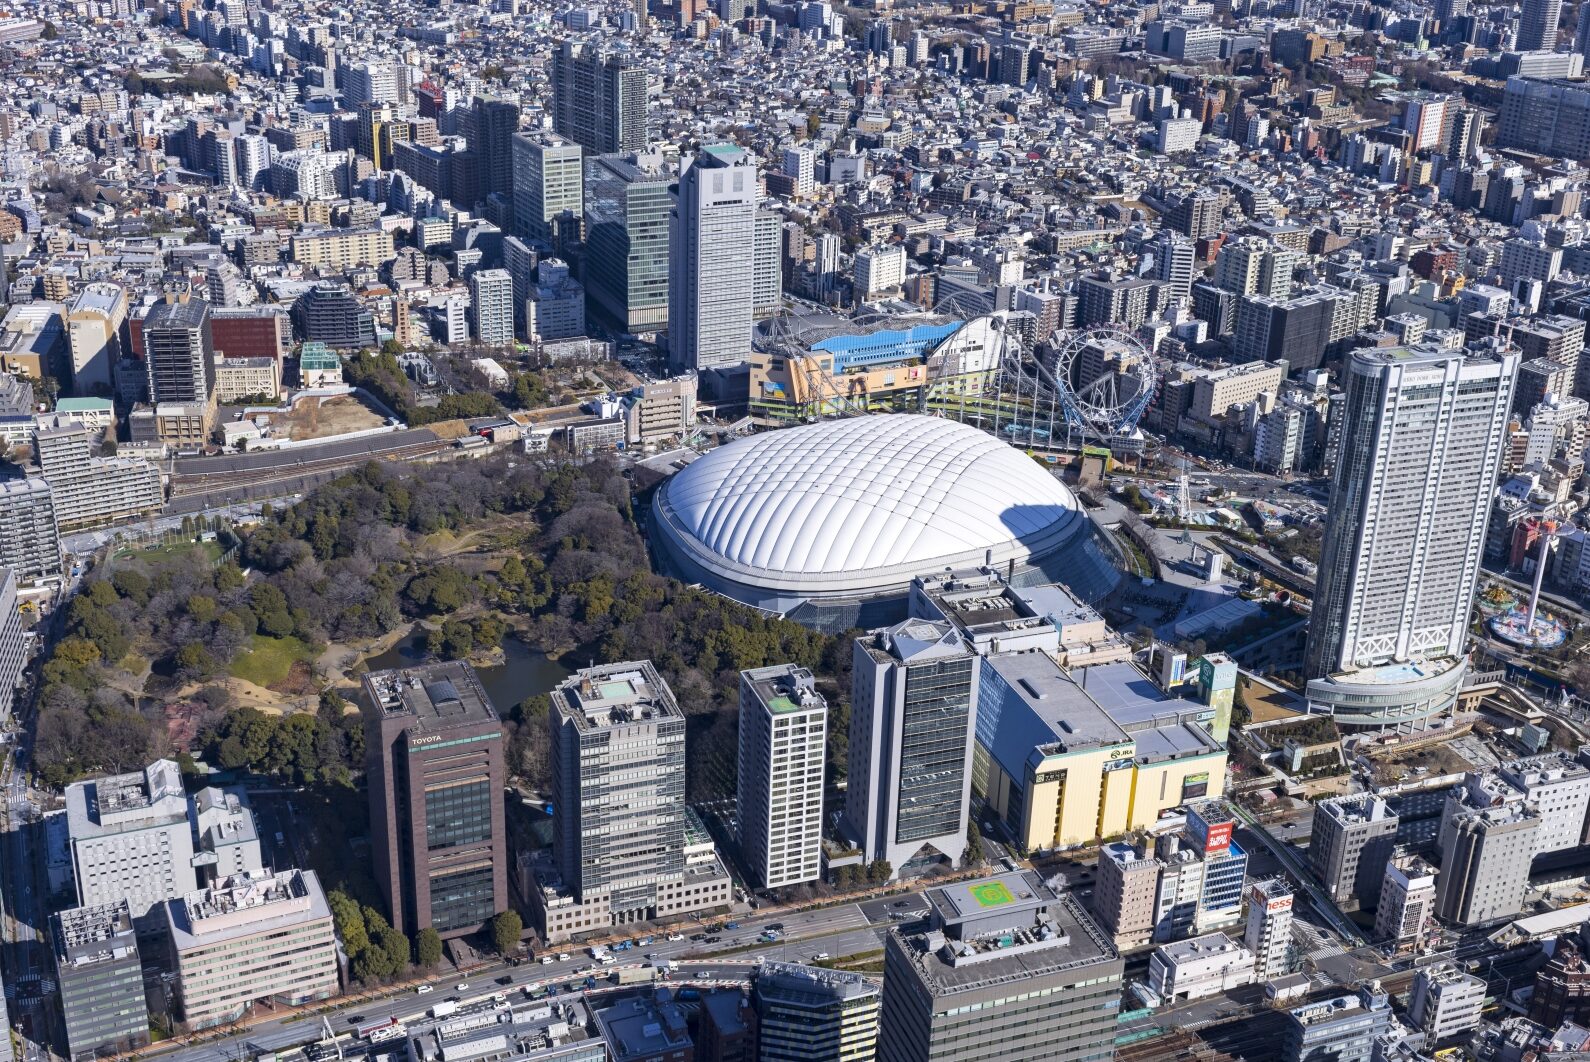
(434, 748)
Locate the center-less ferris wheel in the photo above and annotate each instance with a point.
(1084, 386)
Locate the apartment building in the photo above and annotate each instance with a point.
(30, 544)
(91, 491)
(783, 736)
(338, 249)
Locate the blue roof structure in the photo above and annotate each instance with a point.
(893, 344)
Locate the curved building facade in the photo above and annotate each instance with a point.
(830, 522)
(1405, 697)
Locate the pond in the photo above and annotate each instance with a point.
(523, 673)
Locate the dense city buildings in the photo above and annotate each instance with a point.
(434, 746)
(1136, 406)
(1350, 844)
(1005, 967)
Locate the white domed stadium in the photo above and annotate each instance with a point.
(830, 522)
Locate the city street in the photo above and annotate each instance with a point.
(848, 929)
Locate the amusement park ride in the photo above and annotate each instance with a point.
(1079, 387)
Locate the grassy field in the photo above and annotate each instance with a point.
(269, 660)
(209, 552)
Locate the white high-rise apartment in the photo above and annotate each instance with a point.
(1420, 451)
(93, 329)
(767, 260)
(783, 730)
(13, 653)
(879, 269)
(30, 545)
(1537, 25)
(1269, 930)
(371, 83)
(711, 293)
(1252, 265)
(800, 164)
(1175, 261)
(491, 305)
(88, 490)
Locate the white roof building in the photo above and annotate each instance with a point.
(857, 508)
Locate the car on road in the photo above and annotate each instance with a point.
(506, 979)
(461, 986)
(355, 1019)
(731, 925)
(899, 903)
(423, 990)
(712, 940)
(776, 926)
(676, 936)
(820, 956)
(698, 937)
(547, 960)
(716, 927)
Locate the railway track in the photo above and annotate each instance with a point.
(189, 483)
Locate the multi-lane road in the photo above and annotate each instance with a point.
(839, 931)
(28, 968)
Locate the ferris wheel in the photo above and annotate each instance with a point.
(1105, 378)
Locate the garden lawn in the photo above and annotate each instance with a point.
(268, 660)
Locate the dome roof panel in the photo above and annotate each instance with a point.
(863, 493)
